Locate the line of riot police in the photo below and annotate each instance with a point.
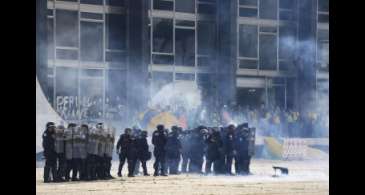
(84, 150)
(188, 149)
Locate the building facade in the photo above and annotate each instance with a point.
(111, 56)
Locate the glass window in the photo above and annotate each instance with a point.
(285, 65)
(206, 38)
(162, 59)
(287, 41)
(163, 4)
(268, 9)
(184, 76)
(115, 2)
(269, 29)
(248, 2)
(184, 23)
(287, 4)
(205, 61)
(248, 12)
(50, 38)
(206, 9)
(248, 41)
(268, 57)
(91, 15)
(286, 15)
(67, 92)
(67, 28)
(248, 63)
(162, 35)
(66, 54)
(116, 57)
(91, 72)
(91, 41)
(185, 6)
(323, 5)
(91, 101)
(323, 49)
(184, 47)
(323, 18)
(117, 31)
(95, 2)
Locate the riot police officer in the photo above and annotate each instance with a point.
(49, 153)
(197, 149)
(159, 139)
(245, 145)
(101, 142)
(185, 150)
(173, 151)
(109, 152)
(91, 154)
(229, 150)
(69, 134)
(60, 151)
(82, 144)
(214, 144)
(143, 154)
(126, 148)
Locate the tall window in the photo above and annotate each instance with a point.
(268, 52)
(248, 8)
(67, 28)
(248, 43)
(94, 2)
(91, 41)
(287, 42)
(116, 28)
(323, 49)
(323, 11)
(162, 41)
(185, 6)
(163, 5)
(50, 38)
(206, 42)
(268, 9)
(185, 43)
(206, 6)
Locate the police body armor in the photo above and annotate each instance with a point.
(92, 147)
(251, 141)
(69, 143)
(101, 142)
(60, 141)
(110, 144)
(80, 144)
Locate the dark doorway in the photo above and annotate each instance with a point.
(252, 97)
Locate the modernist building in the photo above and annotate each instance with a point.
(246, 52)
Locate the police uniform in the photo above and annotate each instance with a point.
(214, 144)
(229, 150)
(196, 152)
(159, 139)
(100, 154)
(92, 154)
(49, 153)
(143, 154)
(173, 152)
(60, 151)
(69, 150)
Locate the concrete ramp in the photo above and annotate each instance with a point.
(44, 113)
